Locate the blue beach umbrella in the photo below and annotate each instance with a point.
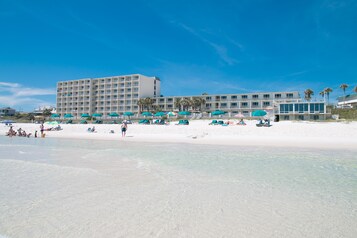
(259, 113)
(85, 115)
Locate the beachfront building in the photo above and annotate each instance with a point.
(105, 95)
(129, 93)
(348, 101)
(301, 111)
(230, 103)
(7, 111)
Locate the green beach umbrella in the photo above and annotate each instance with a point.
(68, 115)
(97, 115)
(184, 113)
(259, 113)
(85, 115)
(218, 112)
(146, 114)
(159, 114)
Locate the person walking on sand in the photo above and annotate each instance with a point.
(124, 127)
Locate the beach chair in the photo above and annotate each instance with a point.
(220, 123)
(69, 122)
(214, 122)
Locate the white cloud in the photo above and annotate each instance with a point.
(14, 94)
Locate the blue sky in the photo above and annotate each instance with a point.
(227, 46)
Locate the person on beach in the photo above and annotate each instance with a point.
(42, 128)
(35, 134)
(124, 127)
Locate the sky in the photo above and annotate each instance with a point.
(193, 46)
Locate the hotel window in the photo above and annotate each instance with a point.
(223, 104)
(277, 95)
(224, 97)
(255, 104)
(244, 96)
(208, 98)
(255, 96)
(244, 104)
(233, 97)
(265, 104)
(234, 104)
(289, 95)
(266, 96)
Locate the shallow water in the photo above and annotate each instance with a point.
(86, 188)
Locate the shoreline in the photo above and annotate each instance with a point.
(319, 135)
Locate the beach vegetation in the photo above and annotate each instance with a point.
(343, 87)
(327, 92)
(308, 93)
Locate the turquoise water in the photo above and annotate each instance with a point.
(165, 189)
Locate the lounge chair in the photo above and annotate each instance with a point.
(214, 122)
(183, 122)
(69, 122)
(98, 122)
(144, 121)
(220, 123)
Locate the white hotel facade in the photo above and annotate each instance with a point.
(121, 94)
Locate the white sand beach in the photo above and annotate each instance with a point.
(293, 179)
(338, 135)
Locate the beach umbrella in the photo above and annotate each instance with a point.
(171, 114)
(51, 123)
(128, 114)
(159, 114)
(84, 115)
(239, 115)
(55, 115)
(68, 115)
(149, 114)
(259, 113)
(218, 112)
(113, 114)
(184, 113)
(97, 115)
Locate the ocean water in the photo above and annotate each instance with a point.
(86, 188)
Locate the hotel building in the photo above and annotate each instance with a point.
(105, 95)
(121, 94)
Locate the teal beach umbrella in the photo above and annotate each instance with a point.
(159, 114)
(55, 115)
(184, 113)
(147, 114)
(218, 112)
(97, 115)
(113, 114)
(68, 115)
(85, 115)
(259, 113)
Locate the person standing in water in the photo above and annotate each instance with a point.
(124, 127)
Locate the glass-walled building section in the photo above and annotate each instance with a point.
(302, 111)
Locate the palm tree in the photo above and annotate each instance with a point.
(308, 93)
(343, 87)
(327, 91)
(178, 103)
(186, 103)
(47, 112)
(322, 93)
(148, 102)
(141, 103)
